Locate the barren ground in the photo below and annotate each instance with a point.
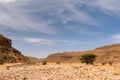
(59, 72)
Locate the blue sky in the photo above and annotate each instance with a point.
(42, 27)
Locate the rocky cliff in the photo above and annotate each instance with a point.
(5, 41)
(8, 54)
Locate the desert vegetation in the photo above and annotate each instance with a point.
(88, 58)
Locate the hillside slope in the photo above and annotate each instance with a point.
(8, 54)
(104, 54)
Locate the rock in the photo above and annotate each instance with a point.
(58, 72)
(5, 41)
(8, 54)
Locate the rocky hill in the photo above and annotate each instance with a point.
(104, 54)
(8, 54)
(5, 42)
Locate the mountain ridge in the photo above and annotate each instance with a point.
(109, 53)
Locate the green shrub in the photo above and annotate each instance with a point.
(44, 63)
(88, 58)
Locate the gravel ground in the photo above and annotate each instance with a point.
(59, 72)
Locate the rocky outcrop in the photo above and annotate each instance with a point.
(8, 54)
(104, 54)
(5, 41)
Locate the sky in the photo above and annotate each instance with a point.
(42, 27)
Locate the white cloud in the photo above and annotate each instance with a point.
(37, 15)
(116, 38)
(108, 6)
(15, 17)
(7, 1)
(38, 41)
(55, 42)
(84, 30)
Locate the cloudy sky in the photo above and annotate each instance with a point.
(41, 27)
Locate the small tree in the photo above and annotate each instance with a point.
(88, 58)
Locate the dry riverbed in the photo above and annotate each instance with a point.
(59, 72)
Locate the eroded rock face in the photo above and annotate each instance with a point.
(5, 41)
(8, 54)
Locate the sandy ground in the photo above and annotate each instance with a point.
(59, 72)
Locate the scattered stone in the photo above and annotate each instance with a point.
(58, 72)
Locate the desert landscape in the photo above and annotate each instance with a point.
(59, 66)
(59, 39)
